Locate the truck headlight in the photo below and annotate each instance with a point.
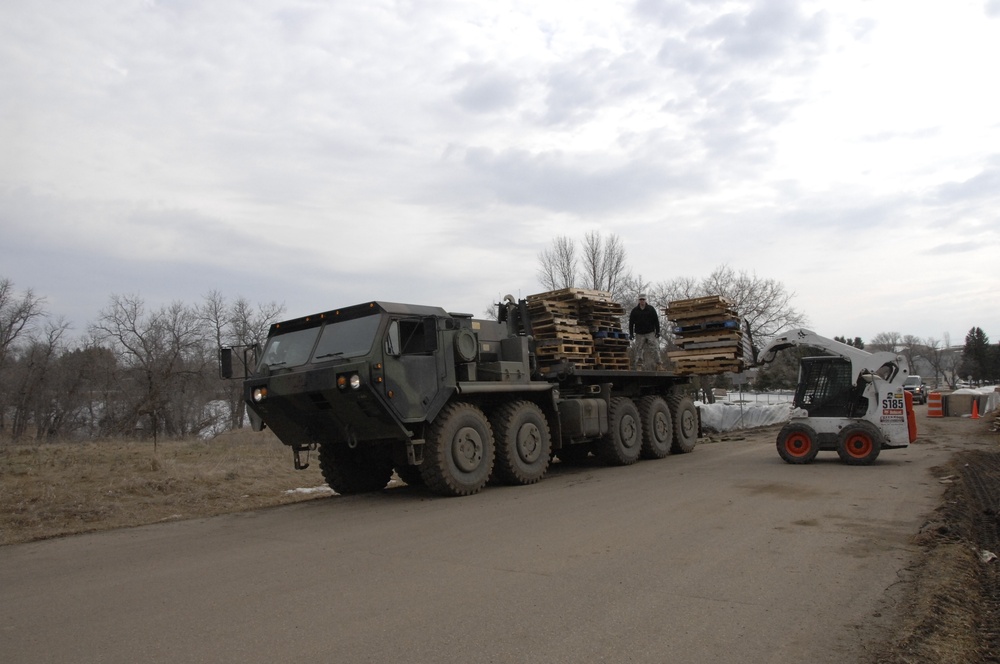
(354, 380)
(259, 394)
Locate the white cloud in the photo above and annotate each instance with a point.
(429, 151)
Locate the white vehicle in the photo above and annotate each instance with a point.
(848, 400)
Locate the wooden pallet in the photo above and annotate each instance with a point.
(614, 363)
(708, 326)
(713, 305)
(563, 294)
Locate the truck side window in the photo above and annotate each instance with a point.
(411, 336)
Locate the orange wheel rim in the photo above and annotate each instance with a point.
(860, 445)
(798, 445)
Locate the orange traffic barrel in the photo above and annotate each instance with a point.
(934, 405)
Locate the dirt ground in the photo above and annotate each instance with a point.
(949, 605)
(951, 610)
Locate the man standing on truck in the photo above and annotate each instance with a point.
(644, 329)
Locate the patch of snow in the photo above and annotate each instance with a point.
(309, 490)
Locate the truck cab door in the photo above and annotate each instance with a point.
(412, 379)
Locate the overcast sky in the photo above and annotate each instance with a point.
(325, 153)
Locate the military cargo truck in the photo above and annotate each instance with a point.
(450, 401)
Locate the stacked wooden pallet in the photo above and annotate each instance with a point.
(578, 326)
(707, 329)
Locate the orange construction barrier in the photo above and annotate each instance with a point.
(935, 407)
(975, 408)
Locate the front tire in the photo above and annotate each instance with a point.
(859, 444)
(410, 474)
(657, 427)
(797, 443)
(458, 452)
(358, 470)
(523, 443)
(623, 442)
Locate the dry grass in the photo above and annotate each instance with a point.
(65, 488)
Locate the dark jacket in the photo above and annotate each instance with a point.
(643, 320)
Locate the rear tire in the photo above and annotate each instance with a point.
(685, 416)
(797, 443)
(859, 444)
(458, 451)
(349, 471)
(623, 442)
(657, 427)
(523, 443)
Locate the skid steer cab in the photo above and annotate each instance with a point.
(848, 400)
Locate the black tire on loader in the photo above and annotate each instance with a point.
(859, 443)
(797, 444)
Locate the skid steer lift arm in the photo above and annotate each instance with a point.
(863, 364)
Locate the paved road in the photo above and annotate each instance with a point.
(724, 554)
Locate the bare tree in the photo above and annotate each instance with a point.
(913, 350)
(34, 402)
(935, 355)
(605, 264)
(886, 341)
(18, 315)
(242, 327)
(602, 265)
(557, 265)
(763, 303)
(164, 353)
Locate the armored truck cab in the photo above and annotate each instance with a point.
(450, 401)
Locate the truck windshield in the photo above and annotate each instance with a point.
(347, 338)
(289, 350)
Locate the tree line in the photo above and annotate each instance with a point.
(148, 372)
(600, 262)
(136, 372)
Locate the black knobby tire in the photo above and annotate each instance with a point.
(523, 443)
(410, 474)
(349, 471)
(685, 417)
(574, 453)
(859, 443)
(458, 451)
(797, 443)
(623, 442)
(657, 427)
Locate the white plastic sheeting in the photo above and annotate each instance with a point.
(722, 417)
(992, 396)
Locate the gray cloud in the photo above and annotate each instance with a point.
(952, 248)
(563, 182)
(486, 89)
(982, 187)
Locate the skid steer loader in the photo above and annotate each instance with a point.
(848, 400)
